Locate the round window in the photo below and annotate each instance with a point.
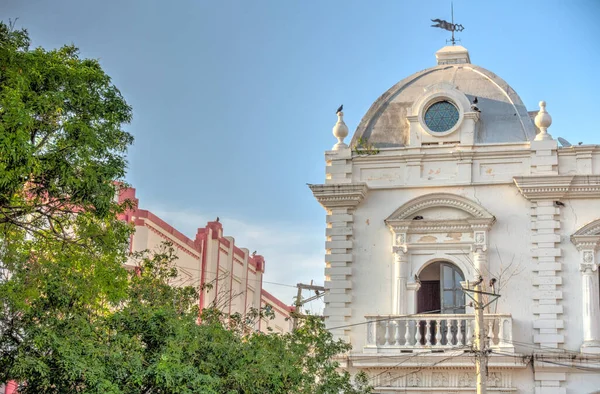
(441, 116)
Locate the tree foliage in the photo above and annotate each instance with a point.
(73, 318)
(62, 143)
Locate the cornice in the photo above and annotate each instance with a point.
(433, 226)
(548, 187)
(440, 152)
(339, 196)
(441, 361)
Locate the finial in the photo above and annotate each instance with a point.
(543, 120)
(340, 130)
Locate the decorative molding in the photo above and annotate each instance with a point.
(479, 237)
(400, 239)
(592, 228)
(415, 205)
(549, 187)
(434, 226)
(587, 237)
(399, 250)
(588, 267)
(339, 196)
(588, 257)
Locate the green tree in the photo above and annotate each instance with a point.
(62, 249)
(62, 143)
(72, 318)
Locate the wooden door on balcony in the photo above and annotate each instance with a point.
(428, 297)
(443, 296)
(428, 300)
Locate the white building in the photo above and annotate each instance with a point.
(437, 189)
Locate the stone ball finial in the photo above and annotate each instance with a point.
(543, 120)
(340, 131)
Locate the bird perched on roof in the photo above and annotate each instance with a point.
(217, 219)
(418, 218)
(340, 109)
(254, 253)
(474, 105)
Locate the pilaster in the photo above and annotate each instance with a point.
(338, 166)
(588, 245)
(400, 278)
(542, 188)
(340, 201)
(547, 266)
(480, 258)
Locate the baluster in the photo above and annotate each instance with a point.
(449, 332)
(470, 332)
(398, 333)
(427, 332)
(509, 335)
(501, 339)
(438, 332)
(459, 335)
(490, 335)
(407, 334)
(418, 333)
(387, 333)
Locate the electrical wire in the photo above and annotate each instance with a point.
(420, 368)
(384, 319)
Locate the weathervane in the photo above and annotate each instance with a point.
(450, 26)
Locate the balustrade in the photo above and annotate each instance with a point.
(430, 331)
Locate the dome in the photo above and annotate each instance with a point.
(502, 117)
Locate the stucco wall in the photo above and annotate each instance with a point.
(229, 277)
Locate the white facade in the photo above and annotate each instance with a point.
(449, 178)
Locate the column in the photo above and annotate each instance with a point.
(399, 303)
(479, 250)
(591, 303)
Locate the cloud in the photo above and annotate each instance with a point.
(293, 253)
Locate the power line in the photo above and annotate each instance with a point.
(384, 319)
(420, 368)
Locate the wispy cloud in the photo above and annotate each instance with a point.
(293, 253)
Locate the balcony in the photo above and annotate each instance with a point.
(425, 332)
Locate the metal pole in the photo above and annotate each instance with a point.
(480, 355)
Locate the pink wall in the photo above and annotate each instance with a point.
(210, 256)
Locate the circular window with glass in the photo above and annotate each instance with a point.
(441, 116)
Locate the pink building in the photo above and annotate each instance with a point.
(230, 276)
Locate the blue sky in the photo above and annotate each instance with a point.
(234, 100)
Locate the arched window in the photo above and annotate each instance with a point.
(441, 290)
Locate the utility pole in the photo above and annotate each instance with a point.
(480, 357)
(481, 351)
(319, 290)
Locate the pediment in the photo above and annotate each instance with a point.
(436, 205)
(588, 236)
(440, 212)
(592, 228)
